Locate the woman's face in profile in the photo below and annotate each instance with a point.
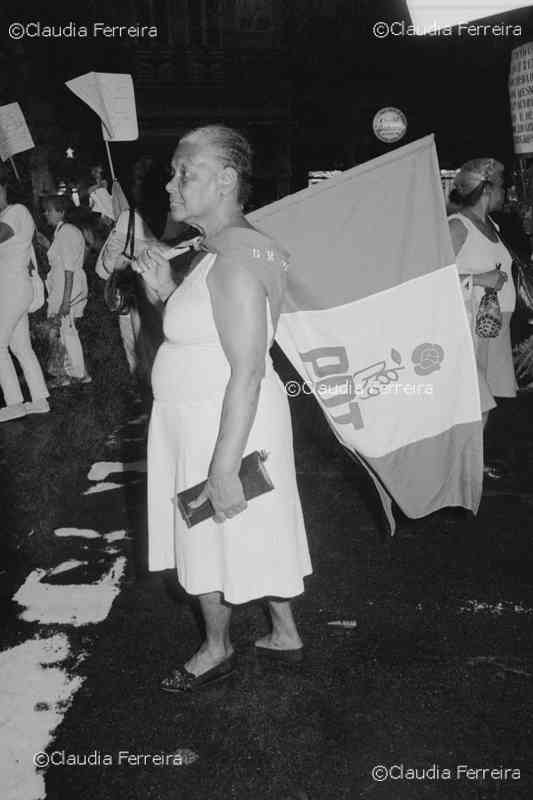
(193, 188)
(497, 197)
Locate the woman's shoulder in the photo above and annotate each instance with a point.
(68, 229)
(249, 245)
(17, 211)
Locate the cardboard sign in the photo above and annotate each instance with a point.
(436, 14)
(111, 96)
(15, 136)
(521, 98)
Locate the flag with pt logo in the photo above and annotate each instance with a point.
(375, 323)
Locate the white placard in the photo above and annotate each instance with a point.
(111, 96)
(521, 98)
(436, 14)
(15, 136)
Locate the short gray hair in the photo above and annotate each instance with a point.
(233, 150)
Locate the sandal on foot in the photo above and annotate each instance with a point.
(181, 680)
(294, 656)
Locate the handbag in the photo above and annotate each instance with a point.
(522, 274)
(120, 287)
(489, 318)
(37, 284)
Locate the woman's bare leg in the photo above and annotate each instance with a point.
(217, 645)
(284, 634)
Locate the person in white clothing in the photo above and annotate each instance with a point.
(483, 261)
(16, 295)
(67, 285)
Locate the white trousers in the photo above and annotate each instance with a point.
(15, 299)
(75, 363)
(130, 325)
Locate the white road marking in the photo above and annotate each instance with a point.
(104, 487)
(36, 695)
(101, 470)
(72, 604)
(83, 533)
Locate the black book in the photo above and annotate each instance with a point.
(254, 478)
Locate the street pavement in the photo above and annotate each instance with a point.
(419, 658)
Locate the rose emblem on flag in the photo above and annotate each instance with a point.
(427, 358)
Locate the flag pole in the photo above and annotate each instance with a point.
(12, 162)
(108, 151)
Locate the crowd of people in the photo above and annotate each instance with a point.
(206, 320)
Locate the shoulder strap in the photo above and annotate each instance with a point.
(129, 246)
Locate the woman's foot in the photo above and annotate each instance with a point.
(39, 406)
(58, 383)
(205, 667)
(275, 641)
(207, 658)
(14, 411)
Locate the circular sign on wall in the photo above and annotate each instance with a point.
(389, 125)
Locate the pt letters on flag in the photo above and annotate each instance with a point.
(375, 323)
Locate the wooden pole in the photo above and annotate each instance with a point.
(12, 162)
(108, 151)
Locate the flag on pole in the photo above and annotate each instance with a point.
(375, 323)
(433, 15)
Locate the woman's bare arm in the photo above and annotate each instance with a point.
(239, 311)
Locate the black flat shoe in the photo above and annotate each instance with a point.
(287, 656)
(181, 680)
(495, 471)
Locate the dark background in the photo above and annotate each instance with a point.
(303, 78)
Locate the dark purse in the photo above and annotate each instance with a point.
(522, 274)
(523, 278)
(120, 289)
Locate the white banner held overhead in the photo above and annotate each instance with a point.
(437, 14)
(15, 136)
(521, 98)
(111, 96)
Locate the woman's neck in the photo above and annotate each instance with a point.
(219, 222)
(480, 215)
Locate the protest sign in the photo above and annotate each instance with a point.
(112, 97)
(15, 136)
(521, 98)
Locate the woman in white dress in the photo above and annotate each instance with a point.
(16, 296)
(484, 262)
(217, 398)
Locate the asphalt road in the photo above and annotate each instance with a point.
(423, 693)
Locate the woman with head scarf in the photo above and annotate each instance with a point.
(483, 261)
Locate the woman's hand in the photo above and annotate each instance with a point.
(64, 309)
(226, 495)
(155, 270)
(494, 279)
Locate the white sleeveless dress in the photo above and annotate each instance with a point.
(262, 552)
(493, 356)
